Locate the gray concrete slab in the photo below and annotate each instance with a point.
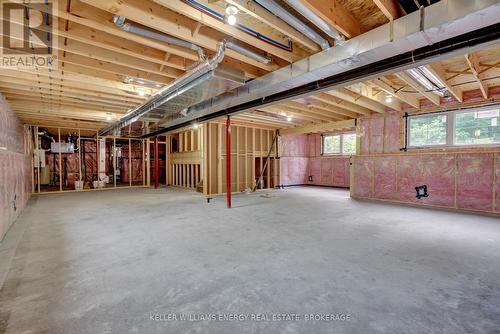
(110, 261)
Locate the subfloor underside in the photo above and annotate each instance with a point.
(123, 261)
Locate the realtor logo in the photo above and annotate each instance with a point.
(27, 39)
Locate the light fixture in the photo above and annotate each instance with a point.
(109, 116)
(231, 12)
(141, 92)
(231, 20)
(428, 80)
(388, 98)
(289, 118)
(196, 126)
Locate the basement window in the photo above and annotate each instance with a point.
(341, 144)
(474, 127)
(477, 127)
(428, 130)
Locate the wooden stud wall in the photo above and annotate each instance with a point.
(249, 148)
(185, 165)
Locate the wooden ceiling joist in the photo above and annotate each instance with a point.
(323, 127)
(335, 14)
(409, 98)
(162, 19)
(341, 104)
(330, 114)
(207, 20)
(377, 96)
(355, 98)
(431, 96)
(390, 8)
(473, 62)
(253, 9)
(438, 70)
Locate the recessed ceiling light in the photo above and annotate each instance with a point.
(289, 118)
(231, 19)
(141, 92)
(388, 98)
(231, 12)
(196, 126)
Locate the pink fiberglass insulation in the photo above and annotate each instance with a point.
(376, 135)
(475, 181)
(15, 168)
(293, 161)
(341, 170)
(314, 145)
(363, 176)
(364, 126)
(385, 177)
(469, 175)
(293, 170)
(326, 177)
(293, 146)
(315, 170)
(409, 175)
(392, 133)
(380, 134)
(301, 158)
(438, 173)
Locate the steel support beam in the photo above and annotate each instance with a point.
(228, 161)
(156, 163)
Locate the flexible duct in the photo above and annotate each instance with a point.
(120, 22)
(286, 16)
(316, 20)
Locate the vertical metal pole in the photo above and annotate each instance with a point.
(114, 162)
(79, 156)
(143, 162)
(60, 158)
(228, 161)
(156, 163)
(129, 162)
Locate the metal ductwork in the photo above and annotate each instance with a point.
(127, 26)
(247, 52)
(316, 20)
(286, 16)
(205, 81)
(442, 30)
(120, 21)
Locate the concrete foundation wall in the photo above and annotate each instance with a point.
(301, 158)
(15, 167)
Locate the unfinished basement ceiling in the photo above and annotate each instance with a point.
(104, 72)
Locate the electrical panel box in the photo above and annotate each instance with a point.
(62, 147)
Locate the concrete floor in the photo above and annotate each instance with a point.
(109, 261)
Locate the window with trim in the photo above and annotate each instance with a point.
(477, 127)
(342, 144)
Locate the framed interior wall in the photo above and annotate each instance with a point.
(77, 159)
